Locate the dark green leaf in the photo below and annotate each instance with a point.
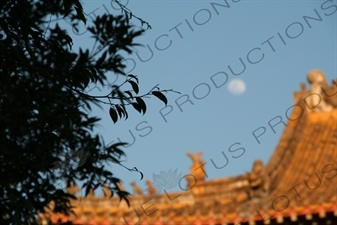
(80, 14)
(113, 114)
(160, 95)
(134, 77)
(92, 30)
(126, 17)
(142, 104)
(134, 86)
(120, 111)
(87, 189)
(71, 196)
(68, 40)
(119, 144)
(126, 199)
(101, 59)
(137, 107)
(107, 173)
(125, 112)
(129, 93)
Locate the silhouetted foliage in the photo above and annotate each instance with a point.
(44, 111)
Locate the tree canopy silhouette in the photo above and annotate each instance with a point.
(44, 110)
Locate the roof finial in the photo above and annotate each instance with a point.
(136, 189)
(197, 169)
(315, 100)
(150, 188)
(259, 182)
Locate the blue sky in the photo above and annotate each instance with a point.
(205, 41)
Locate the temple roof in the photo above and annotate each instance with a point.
(298, 183)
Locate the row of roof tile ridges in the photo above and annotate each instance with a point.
(321, 210)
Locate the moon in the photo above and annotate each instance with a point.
(236, 87)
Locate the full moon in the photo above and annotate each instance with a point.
(236, 87)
